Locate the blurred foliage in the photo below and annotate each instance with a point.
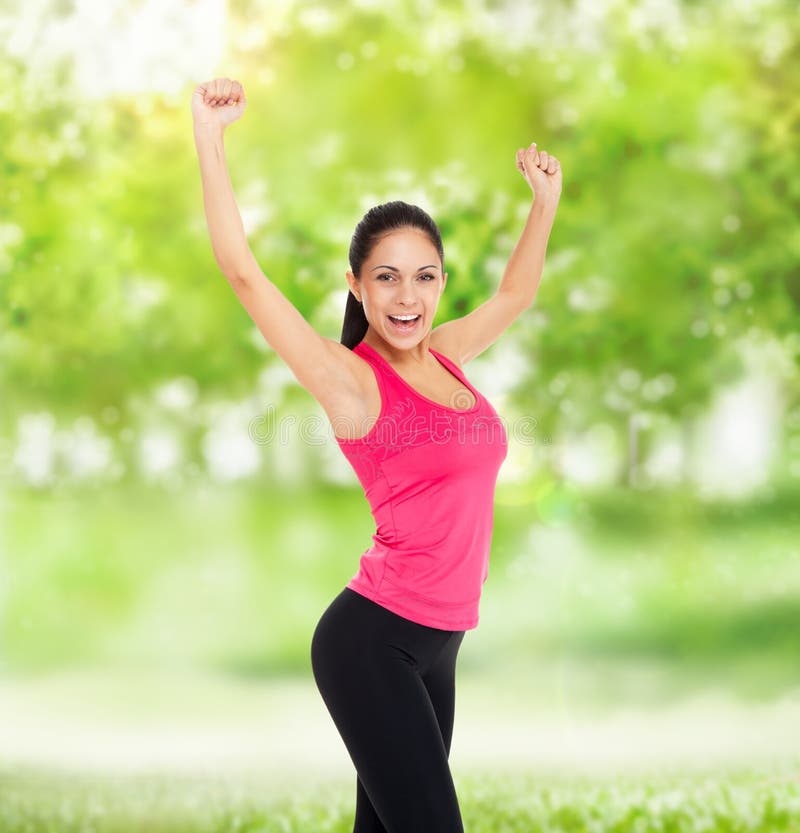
(676, 241)
(676, 234)
(235, 580)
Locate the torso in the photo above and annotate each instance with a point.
(357, 411)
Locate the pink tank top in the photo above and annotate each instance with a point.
(429, 473)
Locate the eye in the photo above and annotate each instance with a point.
(426, 275)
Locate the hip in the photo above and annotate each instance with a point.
(353, 623)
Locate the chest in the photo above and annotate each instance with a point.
(439, 386)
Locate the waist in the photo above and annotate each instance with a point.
(441, 584)
(460, 616)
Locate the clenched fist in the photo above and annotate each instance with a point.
(221, 101)
(542, 172)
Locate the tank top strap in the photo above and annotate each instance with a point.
(391, 381)
(386, 374)
(451, 366)
(387, 382)
(377, 360)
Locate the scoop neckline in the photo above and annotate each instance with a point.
(439, 358)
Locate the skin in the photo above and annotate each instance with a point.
(383, 292)
(340, 380)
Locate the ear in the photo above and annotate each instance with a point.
(444, 281)
(353, 284)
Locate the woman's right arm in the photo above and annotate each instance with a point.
(228, 240)
(326, 368)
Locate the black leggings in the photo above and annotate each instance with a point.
(389, 685)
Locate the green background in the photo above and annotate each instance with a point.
(646, 520)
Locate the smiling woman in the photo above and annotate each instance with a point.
(404, 297)
(396, 270)
(383, 653)
(404, 322)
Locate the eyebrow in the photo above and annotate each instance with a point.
(395, 269)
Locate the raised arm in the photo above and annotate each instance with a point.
(326, 368)
(466, 337)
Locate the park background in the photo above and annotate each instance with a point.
(175, 512)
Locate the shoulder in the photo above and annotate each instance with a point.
(441, 343)
(352, 367)
(354, 395)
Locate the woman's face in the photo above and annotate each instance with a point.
(402, 276)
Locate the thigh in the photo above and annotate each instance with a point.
(367, 819)
(440, 682)
(367, 668)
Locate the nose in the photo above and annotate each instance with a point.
(406, 295)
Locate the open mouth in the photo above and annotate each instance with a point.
(404, 325)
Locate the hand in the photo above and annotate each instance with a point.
(542, 172)
(221, 101)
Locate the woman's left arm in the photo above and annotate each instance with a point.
(524, 270)
(464, 338)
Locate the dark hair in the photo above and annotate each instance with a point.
(376, 223)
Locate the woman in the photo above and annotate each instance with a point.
(425, 445)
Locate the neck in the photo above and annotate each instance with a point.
(418, 354)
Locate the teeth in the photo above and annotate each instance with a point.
(403, 317)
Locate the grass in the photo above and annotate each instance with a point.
(733, 802)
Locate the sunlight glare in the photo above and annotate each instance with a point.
(119, 47)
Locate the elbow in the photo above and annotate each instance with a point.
(238, 273)
(235, 277)
(227, 269)
(521, 300)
